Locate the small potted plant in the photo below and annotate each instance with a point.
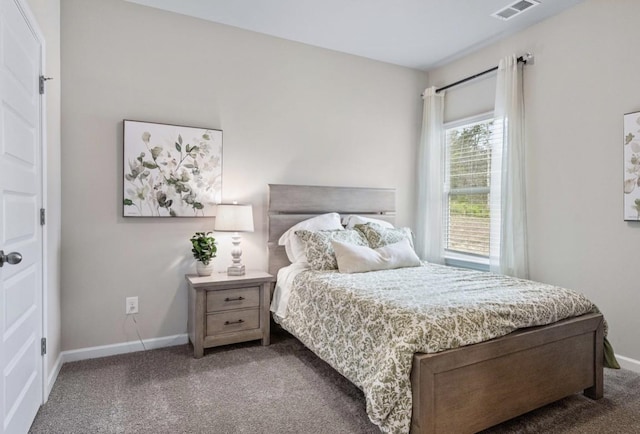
(204, 250)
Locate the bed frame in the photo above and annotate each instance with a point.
(468, 389)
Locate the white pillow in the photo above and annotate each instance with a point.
(351, 220)
(358, 259)
(294, 246)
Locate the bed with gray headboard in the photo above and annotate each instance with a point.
(510, 375)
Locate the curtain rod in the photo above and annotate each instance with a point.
(524, 59)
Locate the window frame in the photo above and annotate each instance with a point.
(452, 257)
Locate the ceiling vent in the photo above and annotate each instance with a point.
(515, 9)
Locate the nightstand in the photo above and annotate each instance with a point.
(227, 309)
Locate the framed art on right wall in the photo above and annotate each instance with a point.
(632, 166)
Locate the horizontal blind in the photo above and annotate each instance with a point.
(467, 186)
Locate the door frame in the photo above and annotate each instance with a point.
(31, 21)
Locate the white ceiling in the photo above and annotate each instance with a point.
(419, 34)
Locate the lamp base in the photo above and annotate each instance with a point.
(235, 270)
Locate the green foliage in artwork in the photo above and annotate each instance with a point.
(628, 138)
(636, 206)
(155, 152)
(170, 181)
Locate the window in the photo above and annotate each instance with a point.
(467, 191)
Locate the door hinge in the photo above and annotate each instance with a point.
(43, 346)
(42, 80)
(42, 216)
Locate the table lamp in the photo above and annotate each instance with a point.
(234, 217)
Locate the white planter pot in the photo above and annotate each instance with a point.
(204, 270)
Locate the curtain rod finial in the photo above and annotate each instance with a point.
(529, 58)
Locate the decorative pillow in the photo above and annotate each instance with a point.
(318, 248)
(377, 236)
(351, 220)
(294, 246)
(358, 259)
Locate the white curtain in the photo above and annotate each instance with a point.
(429, 233)
(508, 251)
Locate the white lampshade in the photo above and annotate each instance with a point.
(234, 218)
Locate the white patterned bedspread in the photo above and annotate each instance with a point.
(369, 325)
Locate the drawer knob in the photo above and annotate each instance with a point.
(233, 322)
(234, 298)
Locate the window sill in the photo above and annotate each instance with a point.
(461, 260)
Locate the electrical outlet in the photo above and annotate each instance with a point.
(131, 305)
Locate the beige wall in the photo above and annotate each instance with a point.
(47, 14)
(290, 113)
(584, 79)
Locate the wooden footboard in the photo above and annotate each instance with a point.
(468, 389)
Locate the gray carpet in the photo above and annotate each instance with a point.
(282, 388)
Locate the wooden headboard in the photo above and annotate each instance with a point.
(290, 204)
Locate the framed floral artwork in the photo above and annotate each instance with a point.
(171, 170)
(632, 166)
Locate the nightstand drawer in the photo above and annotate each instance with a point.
(233, 321)
(237, 298)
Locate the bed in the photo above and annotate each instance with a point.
(472, 387)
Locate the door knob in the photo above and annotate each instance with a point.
(12, 258)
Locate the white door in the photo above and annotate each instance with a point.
(20, 230)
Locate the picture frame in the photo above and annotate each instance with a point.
(631, 156)
(170, 170)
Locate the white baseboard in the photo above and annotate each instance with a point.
(628, 363)
(122, 348)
